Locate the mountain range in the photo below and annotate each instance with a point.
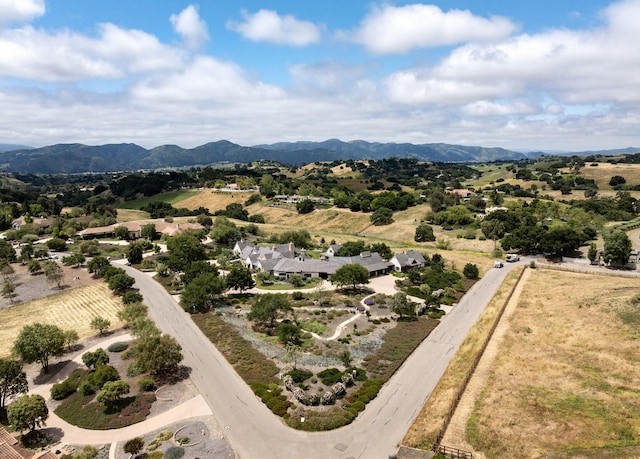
(79, 158)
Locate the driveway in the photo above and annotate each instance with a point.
(254, 432)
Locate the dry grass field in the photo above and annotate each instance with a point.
(422, 433)
(70, 309)
(128, 215)
(212, 200)
(604, 171)
(566, 379)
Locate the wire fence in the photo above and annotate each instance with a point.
(474, 364)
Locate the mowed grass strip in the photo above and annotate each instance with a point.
(424, 430)
(566, 379)
(69, 309)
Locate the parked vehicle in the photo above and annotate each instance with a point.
(512, 257)
(498, 264)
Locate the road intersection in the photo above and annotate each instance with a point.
(254, 432)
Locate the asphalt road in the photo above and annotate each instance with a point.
(254, 432)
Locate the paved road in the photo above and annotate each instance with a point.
(254, 432)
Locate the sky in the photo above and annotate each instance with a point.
(561, 75)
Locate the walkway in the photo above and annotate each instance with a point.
(72, 435)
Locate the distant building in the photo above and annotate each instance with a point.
(286, 259)
(135, 228)
(463, 193)
(406, 261)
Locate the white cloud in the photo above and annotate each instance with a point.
(190, 27)
(572, 67)
(206, 81)
(20, 10)
(489, 108)
(331, 77)
(269, 26)
(399, 29)
(68, 56)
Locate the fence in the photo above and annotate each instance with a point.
(587, 270)
(472, 369)
(454, 452)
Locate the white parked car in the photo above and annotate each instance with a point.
(498, 264)
(511, 257)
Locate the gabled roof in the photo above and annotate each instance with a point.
(409, 258)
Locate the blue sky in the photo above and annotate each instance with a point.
(548, 75)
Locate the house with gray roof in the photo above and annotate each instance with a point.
(408, 260)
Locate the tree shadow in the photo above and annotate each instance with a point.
(54, 434)
(180, 374)
(54, 370)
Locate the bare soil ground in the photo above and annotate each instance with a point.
(565, 380)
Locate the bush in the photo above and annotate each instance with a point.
(133, 370)
(155, 455)
(147, 384)
(118, 347)
(175, 452)
(471, 271)
(272, 397)
(299, 376)
(102, 375)
(132, 297)
(297, 296)
(62, 390)
(330, 376)
(86, 388)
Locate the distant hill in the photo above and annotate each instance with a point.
(79, 158)
(10, 147)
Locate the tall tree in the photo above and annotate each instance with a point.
(8, 288)
(38, 342)
(493, 229)
(617, 248)
(100, 324)
(53, 272)
(350, 275)
(13, 381)
(424, 233)
(158, 354)
(184, 249)
(134, 253)
(201, 293)
(401, 305)
(98, 266)
(239, 278)
(29, 412)
(268, 307)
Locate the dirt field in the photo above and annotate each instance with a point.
(212, 200)
(565, 379)
(71, 308)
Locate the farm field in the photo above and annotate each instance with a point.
(70, 309)
(565, 380)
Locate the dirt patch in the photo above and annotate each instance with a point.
(31, 287)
